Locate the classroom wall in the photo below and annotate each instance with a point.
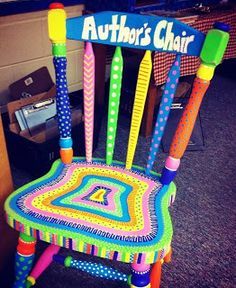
(25, 47)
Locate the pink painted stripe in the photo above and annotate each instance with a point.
(89, 80)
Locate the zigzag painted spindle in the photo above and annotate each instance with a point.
(57, 34)
(89, 77)
(114, 101)
(144, 75)
(164, 110)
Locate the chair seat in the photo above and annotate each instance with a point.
(98, 209)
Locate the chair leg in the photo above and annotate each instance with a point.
(156, 274)
(140, 276)
(43, 262)
(156, 270)
(167, 258)
(23, 259)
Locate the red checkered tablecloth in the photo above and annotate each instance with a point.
(189, 64)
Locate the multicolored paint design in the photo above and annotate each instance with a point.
(102, 210)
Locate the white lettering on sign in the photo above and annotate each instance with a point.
(89, 30)
(165, 39)
(117, 32)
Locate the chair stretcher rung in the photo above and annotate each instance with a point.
(95, 269)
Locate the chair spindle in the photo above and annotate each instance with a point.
(88, 83)
(164, 110)
(143, 80)
(114, 102)
(57, 34)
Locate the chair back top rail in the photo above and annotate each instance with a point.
(136, 31)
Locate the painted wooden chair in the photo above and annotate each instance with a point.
(104, 207)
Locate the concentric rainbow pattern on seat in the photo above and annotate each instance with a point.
(99, 209)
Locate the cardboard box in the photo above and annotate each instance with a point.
(36, 156)
(35, 83)
(36, 153)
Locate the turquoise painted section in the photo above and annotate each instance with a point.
(136, 31)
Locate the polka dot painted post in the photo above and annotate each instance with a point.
(63, 106)
(114, 101)
(164, 110)
(104, 207)
(98, 270)
(187, 121)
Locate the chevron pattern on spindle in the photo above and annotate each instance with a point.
(144, 75)
(114, 101)
(164, 110)
(88, 83)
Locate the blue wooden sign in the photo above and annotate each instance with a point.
(136, 31)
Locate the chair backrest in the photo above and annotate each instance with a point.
(140, 32)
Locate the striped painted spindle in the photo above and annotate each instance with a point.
(24, 259)
(88, 82)
(144, 75)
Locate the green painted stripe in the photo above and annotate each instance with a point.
(114, 102)
(59, 50)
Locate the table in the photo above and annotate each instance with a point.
(189, 64)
